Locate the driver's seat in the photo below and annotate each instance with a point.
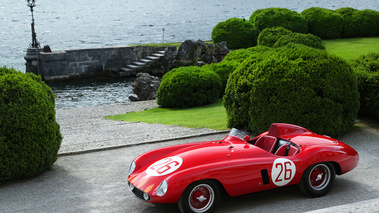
(266, 142)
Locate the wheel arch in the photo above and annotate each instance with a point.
(336, 166)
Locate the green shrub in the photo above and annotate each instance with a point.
(29, 135)
(269, 36)
(188, 87)
(359, 23)
(299, 38)
(323, 23)
(367, 69)
(350, 27)
(238, 33)
(293, 84)
(279, 17)
(241, 54)
(223, 70)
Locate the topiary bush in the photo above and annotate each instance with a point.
(238, 33)
(279, 17)
(188, 87)
(359, 23)
(223, 70)
(29, 134)
(299, 38)
(350, 27)
(269, 36)
(241, 54)
(367, 69)
(293, 84)
(324, 23)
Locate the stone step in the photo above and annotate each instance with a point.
(152, 57)
(143, 60)
(158, 54)
(126, 69)
(131, 66)
(139, 63)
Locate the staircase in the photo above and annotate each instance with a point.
(132, 69)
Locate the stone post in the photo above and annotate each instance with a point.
(32, 60)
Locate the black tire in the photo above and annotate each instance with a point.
(208, 193)
(317, 179)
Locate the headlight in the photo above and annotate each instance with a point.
(146, 196)
(162, 189)
(132, 167)
(131, 186)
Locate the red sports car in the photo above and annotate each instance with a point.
(194, 174)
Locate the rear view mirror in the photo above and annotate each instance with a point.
(246, 138)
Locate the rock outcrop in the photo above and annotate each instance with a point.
(145, 87)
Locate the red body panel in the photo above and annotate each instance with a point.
(240, 167)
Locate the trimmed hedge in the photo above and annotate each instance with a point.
(359, 23)
(293, 84)
(324, 23)
(269, 36)
(223, 70)
(279, 17)
(241, 54)
(350, 27)
(238, 33)
(299, 38)
(367, 69)
(188, 87)
(29, 134)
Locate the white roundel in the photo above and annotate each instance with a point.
(164, 166)
(283, 171)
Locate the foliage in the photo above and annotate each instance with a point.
(238, 33)
(223, 70)
(367, 69)
(279, 17)
(359, 23)
(241, 54)
(299, 38)
(188, 87)
(269, 36)
(29, 135)
(293, 84)
(324, 23)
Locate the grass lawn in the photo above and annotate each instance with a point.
(214, 116)
(352, 48)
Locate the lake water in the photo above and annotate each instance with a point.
(72, 24)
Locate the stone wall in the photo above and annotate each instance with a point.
(62, 65)
(114, 61)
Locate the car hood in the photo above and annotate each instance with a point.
(153, 173)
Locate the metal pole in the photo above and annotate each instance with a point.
(32, 4)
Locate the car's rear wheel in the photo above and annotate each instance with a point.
(317, 179)
(200, 197)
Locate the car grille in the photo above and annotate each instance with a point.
(137, 192)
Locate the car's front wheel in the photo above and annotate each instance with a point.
(317, 179)
(200, 197)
